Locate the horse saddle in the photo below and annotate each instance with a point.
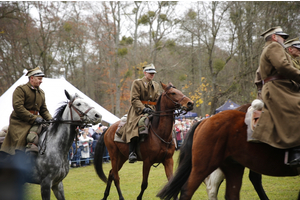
(33, 137)
(143, 127)
(255, 116)
(252, 117)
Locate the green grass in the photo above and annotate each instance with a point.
(84, 184)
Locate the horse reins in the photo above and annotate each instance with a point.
(79, 112)
(72, 122)
(177, 107)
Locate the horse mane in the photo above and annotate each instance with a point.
(158, 106)
(58, 115)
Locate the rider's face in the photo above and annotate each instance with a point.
(36, 81)
(149, 76)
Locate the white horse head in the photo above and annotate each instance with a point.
(82, 112)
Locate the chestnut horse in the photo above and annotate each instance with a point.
(221, 141)
(214, 180)
(157, 147)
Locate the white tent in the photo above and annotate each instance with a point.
(55, 96)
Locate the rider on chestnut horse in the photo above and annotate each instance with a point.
(143, 96)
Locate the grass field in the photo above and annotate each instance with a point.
(84, 184)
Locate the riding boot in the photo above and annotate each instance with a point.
(132, 146)
(294, 156)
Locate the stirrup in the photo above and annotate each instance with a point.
(132, 157)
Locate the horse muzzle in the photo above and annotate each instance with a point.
(188, 107)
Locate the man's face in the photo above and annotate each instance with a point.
(294, 51)
(36, 81)
(149, 76)
(280, 39)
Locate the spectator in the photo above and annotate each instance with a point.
(75, 155)
(179, 135)
(85, 145)
(97, 134)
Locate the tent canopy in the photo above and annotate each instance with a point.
(228, 105)
(187, 115)
(55, 96)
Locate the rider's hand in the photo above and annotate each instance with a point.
(39, 120)
(148, 110)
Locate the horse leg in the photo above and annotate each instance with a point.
(255, 179)
(58, 191)
(146, 170)
(213, 182)
(46, 189)
(234, 176)
(168, 164)
(116, 166)
(108, 185)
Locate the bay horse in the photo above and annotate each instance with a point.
(214, 180)
(51, 165)
(221, 141)
(156, 148)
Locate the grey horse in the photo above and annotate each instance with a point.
(51, 165)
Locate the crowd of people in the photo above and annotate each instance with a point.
(82, 151)
(182, 126)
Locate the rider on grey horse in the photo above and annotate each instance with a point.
(29, 111)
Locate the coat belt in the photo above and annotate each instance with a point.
(35, 112)
(149, 102)
(272, 78)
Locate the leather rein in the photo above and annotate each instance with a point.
(72, 122)
(177, 106)
(158, 113)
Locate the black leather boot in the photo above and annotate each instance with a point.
(294, 156)
(132, 146)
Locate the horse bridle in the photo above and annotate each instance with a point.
(177, 105)
(73, 122)
(79, 112)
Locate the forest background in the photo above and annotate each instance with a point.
(208, 49)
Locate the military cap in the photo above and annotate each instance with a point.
(293, 42)
(35, 72)
(149, 69)
(277, 30)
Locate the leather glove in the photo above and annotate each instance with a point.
(39, 120)
(148, 110)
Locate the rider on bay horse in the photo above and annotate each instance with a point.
(279, 124)
(29, 111)
(143, 96)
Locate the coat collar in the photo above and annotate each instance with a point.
(32, 88)
(147, 83)
(270, 42)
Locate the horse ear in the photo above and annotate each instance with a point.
(164, 86)
(68, 95)
(170, 84)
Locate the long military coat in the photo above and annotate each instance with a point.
(25, 98)
(279, 124)
(141, 90)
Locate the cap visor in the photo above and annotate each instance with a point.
(151, 71)
(296, 46)
(39, 74)
(283, 35)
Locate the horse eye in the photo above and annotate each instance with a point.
(173, 93)
(79, 104)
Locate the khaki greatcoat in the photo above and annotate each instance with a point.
(279, 124)
(141, 90)
(25, 98)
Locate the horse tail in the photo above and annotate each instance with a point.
(173, 187)
(99, 152)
